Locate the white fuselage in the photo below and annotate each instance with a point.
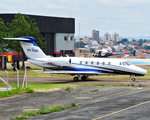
(97, 65)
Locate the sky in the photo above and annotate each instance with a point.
(128, 18)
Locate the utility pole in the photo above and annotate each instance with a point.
(79, 34)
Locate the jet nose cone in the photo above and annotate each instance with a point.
(144, 71)
(141, 71)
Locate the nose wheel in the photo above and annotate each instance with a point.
(133, 79)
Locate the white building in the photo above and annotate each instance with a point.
(107, 36)
(115, 37)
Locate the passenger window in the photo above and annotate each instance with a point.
(86, 62)
(103, 63)
(120, 63)
(123, 63)
(80, 62)
(92, 62)
(108, 63)
(97, 62)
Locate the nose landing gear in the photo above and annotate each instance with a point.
(133, 79)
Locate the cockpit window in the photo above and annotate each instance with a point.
(124, 63)
(127, 63)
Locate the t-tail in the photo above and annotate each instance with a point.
(29, 46)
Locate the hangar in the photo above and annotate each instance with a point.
(57, 31)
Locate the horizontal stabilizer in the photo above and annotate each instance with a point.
(17, 39)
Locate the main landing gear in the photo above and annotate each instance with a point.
(80, 78)
(132, 78)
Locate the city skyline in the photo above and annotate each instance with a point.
(129, 18)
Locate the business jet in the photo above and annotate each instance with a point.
(82, 67)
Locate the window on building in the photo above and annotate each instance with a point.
(65, 37)
(68, 51)
(71, 38)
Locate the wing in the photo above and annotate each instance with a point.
(75, 72)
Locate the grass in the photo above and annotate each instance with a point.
(35, 86)
(94, 90)
(42, 110)
(17, 91)
(69, 89)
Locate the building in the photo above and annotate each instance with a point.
(109, 42)
(95, 35)
(115, 37)
(107, 36)
(57, 31)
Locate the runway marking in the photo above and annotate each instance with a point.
(121, 110)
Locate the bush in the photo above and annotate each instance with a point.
(28, 90)
(69, 89)
(17, 91)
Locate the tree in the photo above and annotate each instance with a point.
(79, 45)
(140, 42)
(92, 50)
(145, 40)
(124, 40)
(23, 25)
(147, 47)
(3, 32)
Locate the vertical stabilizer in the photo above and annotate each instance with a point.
(31, 49)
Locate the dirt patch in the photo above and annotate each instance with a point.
(50, 90)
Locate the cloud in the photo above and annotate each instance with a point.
(52, 6)
(126, 17)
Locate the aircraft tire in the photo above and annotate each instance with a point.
(75, 79)
(133, 79)
(83, 78)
